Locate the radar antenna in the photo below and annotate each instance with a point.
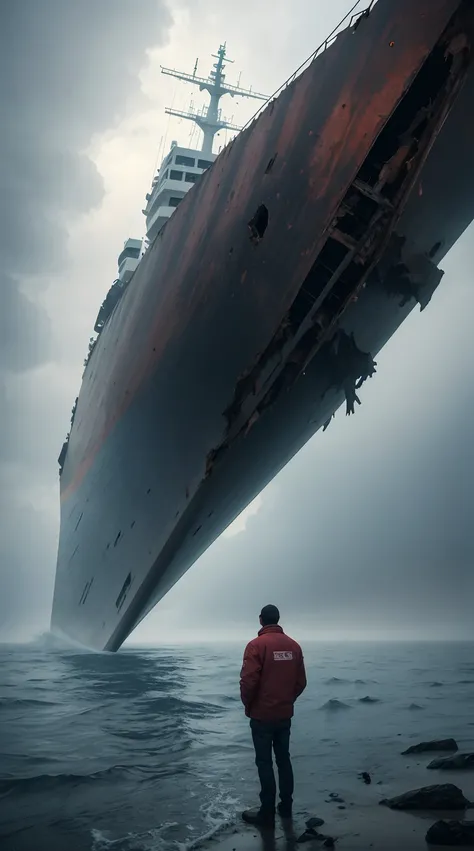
(210, 120)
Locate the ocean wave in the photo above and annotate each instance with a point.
(150, 840)
(48, 782)
(218, 812)
(20, 759)
(155, 839)
(61, 642)
(368, 699)
(415, 706)
(6, 702)
(340, 681)
(170, 705)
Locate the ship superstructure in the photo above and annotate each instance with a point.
(180, 170)
(259, 299)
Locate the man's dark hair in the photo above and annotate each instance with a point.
(269, 615)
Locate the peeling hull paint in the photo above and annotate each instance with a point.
(213, 293)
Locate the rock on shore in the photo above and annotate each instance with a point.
(458, 762)
(435, 745)
(441, 796)
(451, 833)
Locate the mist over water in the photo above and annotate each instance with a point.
(149, 748)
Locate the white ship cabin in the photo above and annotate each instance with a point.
(128, 260)
(180, 169)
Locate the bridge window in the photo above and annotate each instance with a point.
(131, 252)
(173, 202)
(204, 164)
(176, 175)
(190, 177)
(187, 161)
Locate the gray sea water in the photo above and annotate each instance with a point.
(149, 750)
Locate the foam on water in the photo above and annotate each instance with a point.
(218, 814)
(151, 840)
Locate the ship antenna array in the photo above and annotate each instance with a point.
(324, 44)
(210, 120)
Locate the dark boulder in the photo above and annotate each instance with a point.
(458, 762)
(436, 745)
(451, 833)
(442, 796)
(310, 835)
(314, 822)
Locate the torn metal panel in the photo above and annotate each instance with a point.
(361, 232)
(414, 277)
(349, 367)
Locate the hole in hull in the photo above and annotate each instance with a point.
(434, 250)
(258, 224)
(123, 592)
(271, 163)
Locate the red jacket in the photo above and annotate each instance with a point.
(273, 675)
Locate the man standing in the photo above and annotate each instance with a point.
(272, 677)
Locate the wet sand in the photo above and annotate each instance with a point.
(374, 828)
(363, 824)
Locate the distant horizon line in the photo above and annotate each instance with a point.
(212, 641)
(216, 639)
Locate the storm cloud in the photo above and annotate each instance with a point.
(67, 72)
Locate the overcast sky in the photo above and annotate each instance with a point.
(368, 532)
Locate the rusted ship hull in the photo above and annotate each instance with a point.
(263, 304)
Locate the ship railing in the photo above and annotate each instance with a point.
(353, 17)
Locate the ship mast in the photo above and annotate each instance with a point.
(210, 120)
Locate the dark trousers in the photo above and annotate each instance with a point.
(268, 736)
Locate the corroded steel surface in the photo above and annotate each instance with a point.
(137, 507)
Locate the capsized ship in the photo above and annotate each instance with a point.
(270, 277)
